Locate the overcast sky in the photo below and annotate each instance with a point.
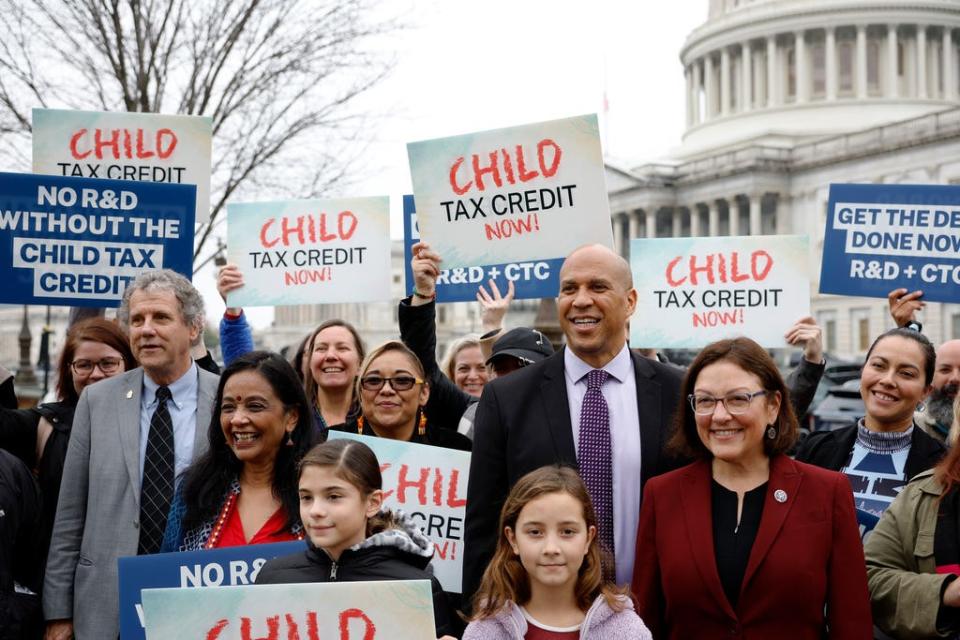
(470, 66)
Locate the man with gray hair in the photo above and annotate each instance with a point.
(132, 435)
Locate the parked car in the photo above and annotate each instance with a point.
(841, 407)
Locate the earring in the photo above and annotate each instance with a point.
(921, 407)
(771, 432)
(422, 424)
(289, 438)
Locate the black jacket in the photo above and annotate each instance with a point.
(433, 435)
(402, 553)
(418, 330)
(831, 450)
(21, 557)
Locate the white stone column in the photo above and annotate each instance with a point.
(800, 58)
(772, 97)
(756, 202)
(747, 77)
(633, 224)
(697, 86)
(688, 77)
(651, 222)
(618, 234)
(921, 61)
(709, 88)
(724, 81)
(733, 215)
(830, 70)
(676, 222)
(949, 74)
(892, 78)
(861, 68)
(713, 218)
(694, 220)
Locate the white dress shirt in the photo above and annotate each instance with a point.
(620, 392)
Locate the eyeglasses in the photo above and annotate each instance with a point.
(107, 365)
(398, 383)
(734, 403)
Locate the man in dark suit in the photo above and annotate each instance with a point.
(533, 417)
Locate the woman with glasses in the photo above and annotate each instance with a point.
(885, 448)
(243, 490)
(745, 542)
(393, 394)
(94, 349)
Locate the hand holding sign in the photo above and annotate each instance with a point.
(904, 306)
(425, 265)
(228, 279)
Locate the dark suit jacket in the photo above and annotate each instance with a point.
(831, 450)
(523, 423)
(807, 554)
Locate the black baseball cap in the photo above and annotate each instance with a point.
(529, 345)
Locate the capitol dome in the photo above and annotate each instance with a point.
(780, 72)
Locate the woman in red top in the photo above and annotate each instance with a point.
(243, 489)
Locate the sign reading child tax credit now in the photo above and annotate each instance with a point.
(530, 278)
(430, 485)
(310, 251)
(229, 566)
(80, 241)
(694, 291)
(880, 237)
(382, 610)
(524, 193)
(146, 147)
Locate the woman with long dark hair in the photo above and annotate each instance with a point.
(243, 490)
(95, 349)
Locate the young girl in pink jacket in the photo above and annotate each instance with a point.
(545, 580)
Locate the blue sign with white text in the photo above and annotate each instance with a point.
(880, 237)
(229, 566)
(80, 241)
(534, 279)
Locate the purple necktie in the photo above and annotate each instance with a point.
(595, 459)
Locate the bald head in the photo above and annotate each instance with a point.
(596, 300)
(617, 267)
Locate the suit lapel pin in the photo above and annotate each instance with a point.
(129, 393)
(780, 495)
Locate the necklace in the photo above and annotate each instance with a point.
(225, 512)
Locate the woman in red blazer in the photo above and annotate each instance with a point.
(745, 542)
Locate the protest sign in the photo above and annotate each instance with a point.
(519, 194)
(429, 484)
(383, 610)
(880, 237)
(693, 291)
(122, 145)
(531, 279)
(228, 566)
(79, 241)
(310, 251)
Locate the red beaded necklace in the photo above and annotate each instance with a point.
(225, 512)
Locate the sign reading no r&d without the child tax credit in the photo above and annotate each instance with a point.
(881, 237)
(146, 147)
(524, 193)
(310, 251)
(80, 241)
(694, 291)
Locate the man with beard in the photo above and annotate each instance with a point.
(937, 415)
